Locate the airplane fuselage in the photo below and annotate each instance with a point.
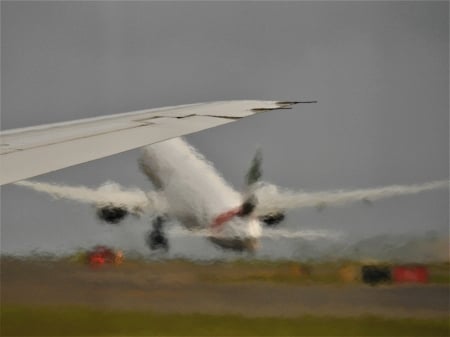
(196, 193)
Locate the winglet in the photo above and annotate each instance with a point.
(283, 105)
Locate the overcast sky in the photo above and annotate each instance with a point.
(379, 71)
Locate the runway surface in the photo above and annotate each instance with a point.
(179, 287)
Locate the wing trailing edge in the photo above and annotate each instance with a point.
(32, 151)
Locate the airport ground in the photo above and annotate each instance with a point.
(64, 297)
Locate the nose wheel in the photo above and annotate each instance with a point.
(156, 239)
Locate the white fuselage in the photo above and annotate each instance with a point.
(195, 192)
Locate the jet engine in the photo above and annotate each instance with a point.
(272, 219)
(112, 214)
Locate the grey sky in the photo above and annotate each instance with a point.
(378, 69)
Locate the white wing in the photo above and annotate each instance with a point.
(32, 151)
(272, 199)
(133, 200)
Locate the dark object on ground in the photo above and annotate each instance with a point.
(374, 275)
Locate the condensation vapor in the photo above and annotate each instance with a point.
(308, 234)
(110, 193)
(271, 198)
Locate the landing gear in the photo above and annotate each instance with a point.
(155, 238)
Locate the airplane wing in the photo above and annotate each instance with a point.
(110, 194)
(32, 151)
(272, 199)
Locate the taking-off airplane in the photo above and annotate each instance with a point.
(187, 187)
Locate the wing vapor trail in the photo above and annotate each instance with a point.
(110, 193)
(274, 234)
(301, 234)
(271, 198)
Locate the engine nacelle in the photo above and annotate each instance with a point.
(272, 219)
(112, 214)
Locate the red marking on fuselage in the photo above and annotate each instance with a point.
(225, 217)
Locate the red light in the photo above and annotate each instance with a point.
(410, 274)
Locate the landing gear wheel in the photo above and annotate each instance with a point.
(156, 239)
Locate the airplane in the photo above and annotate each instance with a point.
(188, 188)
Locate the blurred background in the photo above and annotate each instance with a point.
(379, 71)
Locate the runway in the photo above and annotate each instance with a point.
(221, 288)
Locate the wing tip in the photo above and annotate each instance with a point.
(289, 103)
(283, 105)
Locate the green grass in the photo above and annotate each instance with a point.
(79, 321)
(439, 273)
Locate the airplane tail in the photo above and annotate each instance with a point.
(250, 200)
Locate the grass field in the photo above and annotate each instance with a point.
(81, 321)
(61, 297)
